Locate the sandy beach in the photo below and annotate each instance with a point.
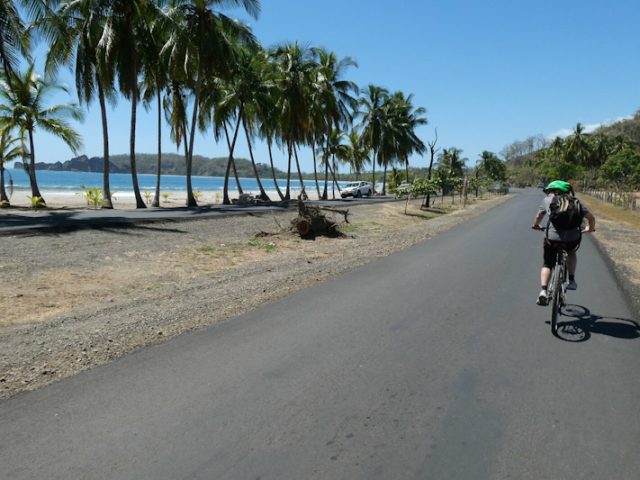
(126, 199)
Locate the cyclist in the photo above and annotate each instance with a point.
(570, 238)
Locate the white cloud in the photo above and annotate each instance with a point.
(565, 132)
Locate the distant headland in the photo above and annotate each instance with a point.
(172, 164)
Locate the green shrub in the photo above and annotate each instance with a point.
(267, 246)
(37, 202)
(94, 196)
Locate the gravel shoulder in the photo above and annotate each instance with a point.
(618, 238)
(76, 300)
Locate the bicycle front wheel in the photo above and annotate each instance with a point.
(556, 282)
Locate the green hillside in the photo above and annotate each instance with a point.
(607, 158)
(629, 129)
(173, 164)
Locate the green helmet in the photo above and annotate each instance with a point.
(559, 185)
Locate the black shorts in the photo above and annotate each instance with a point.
(551, 248)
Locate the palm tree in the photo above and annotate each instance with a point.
(450, 168)
(356, 153)
(371, 103)
(294, 76)
(14, 39)
(119, 51)
(74, 31)
(392, 129)
(316, 134)
(24, 107)
(491, 167)
(332, 105)
(409, 120)
(269, 120)
(174, 106)
(219, 109)
(248, 92)
(8, 151)
(224, 115)
(334, 148)
(202, 41)
(578, 149)
(155, 79)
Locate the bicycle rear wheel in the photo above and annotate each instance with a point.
(556, 298)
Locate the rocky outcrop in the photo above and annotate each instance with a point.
(78, 164)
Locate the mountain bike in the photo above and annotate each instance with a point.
(557, 288)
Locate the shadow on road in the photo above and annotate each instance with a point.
(577, 324)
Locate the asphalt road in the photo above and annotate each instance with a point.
(432, 363)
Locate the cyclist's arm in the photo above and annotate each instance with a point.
(538, 218)
(591, 226)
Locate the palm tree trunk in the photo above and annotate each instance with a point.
(106, 189)
(373, 164)
(287, 194)
(225, 187)
(406, 165)
(156, 197)
(295, 153)
(384, 180)
(132, 153)
(186, 151)
(4, 199)
(325, 193)
(263, 194)
(315, 170)
(428, 199)
(191, 200)
(273, 171)
(233, 160)
(333, 175)
(35, 191)
(230, 163)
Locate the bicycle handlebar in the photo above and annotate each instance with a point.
(542, 229)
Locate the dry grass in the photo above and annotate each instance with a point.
(610, 212)
(129, 266)
(618, 232)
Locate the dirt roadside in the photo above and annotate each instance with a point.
(618, 238)
(75, 300)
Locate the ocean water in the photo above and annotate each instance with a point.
(54, 181)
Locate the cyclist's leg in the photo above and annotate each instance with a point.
(572, 262)
(545, 274)
(549, 260)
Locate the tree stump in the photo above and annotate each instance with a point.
(311, 222)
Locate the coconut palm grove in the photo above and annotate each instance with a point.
(207, 72)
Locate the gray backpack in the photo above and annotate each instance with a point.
(565, 212)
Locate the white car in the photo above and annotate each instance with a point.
(357, 189)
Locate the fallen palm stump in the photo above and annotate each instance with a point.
(311, 222)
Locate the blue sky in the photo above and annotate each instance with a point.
(488, 72)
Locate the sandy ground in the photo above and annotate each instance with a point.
(125, 200)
